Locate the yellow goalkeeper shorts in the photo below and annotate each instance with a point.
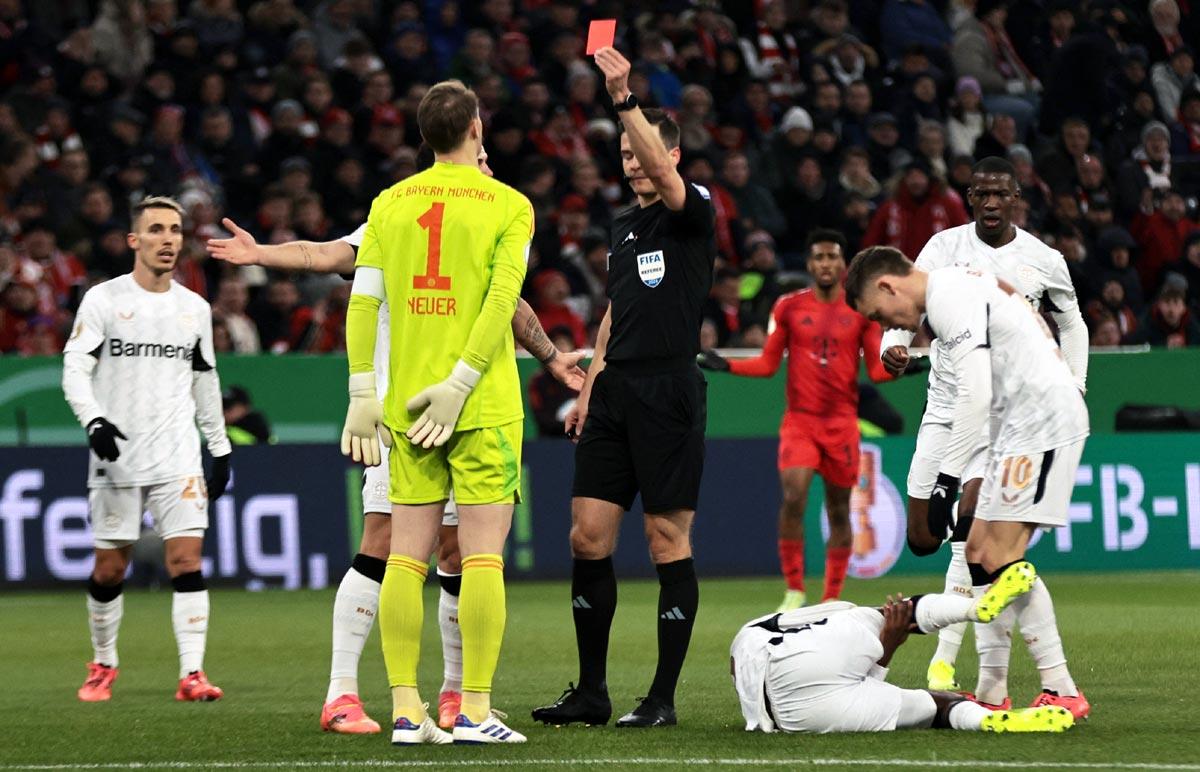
(482, 466)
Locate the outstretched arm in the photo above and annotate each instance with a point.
(316, 256)
(767, 363)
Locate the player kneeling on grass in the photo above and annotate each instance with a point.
(1007, 369)
(823, 669)
(138, 372)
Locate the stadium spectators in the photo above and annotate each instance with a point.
(921, 206)
(1168, 321)
(293, 115)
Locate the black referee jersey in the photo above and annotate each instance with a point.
(648, 406)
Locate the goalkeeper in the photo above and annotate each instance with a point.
(447, 249)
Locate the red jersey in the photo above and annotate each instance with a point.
(824, 342)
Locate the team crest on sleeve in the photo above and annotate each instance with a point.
(651, 267)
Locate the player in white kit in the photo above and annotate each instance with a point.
(993, 244)
(357, 600)
(1006, 367)
(824, 668)
(138, 371)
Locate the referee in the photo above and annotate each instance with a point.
(641, 414)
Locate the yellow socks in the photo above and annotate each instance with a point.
(401, 609)
(481, 617)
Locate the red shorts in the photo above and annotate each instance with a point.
(828, 445)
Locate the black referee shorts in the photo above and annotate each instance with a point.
(644, 433)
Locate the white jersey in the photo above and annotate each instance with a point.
(1034, 269)
(149, 347)
(382, 332)
(1036, 404)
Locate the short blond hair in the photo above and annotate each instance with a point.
(154, 202)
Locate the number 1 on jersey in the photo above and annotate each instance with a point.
(432, 222)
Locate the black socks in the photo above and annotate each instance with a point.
(678, 599)
(593, 604)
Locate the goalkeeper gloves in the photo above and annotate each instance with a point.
(709, 359)
(941, 505)
(218, 477)
(442, 402)
(102, 436)
(364, 422)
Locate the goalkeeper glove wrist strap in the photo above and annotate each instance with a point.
(362, 382)
(465, 374)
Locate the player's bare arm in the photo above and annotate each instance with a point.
(337, 256)
(529, 333)
(651, 158)
(577, 415)
(316, 256)
(897, 624)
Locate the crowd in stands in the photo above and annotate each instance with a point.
(289, 116)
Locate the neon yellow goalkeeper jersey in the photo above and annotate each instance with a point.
(443, 238)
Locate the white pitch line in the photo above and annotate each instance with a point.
(733, 762)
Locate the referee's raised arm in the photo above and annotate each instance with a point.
(653, 158)
(641, 416)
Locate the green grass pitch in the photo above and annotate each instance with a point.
(1132, 640)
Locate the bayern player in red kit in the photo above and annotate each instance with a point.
(825, 340)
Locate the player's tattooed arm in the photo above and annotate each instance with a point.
(529, 333)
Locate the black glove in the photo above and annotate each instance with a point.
(218, 477)
(102, 436)
(941, 505)
(711, 360)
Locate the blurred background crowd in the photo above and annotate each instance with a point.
(289, 116)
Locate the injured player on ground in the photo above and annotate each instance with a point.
(823, 669)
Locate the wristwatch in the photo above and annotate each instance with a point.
(629, 103)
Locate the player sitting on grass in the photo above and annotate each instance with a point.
(823, 669)
(139, 374)
(1008, 370)
(357, 600)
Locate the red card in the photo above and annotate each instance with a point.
(601, 33)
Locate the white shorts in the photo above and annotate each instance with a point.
(179, 508)
(1033, 488)
(817, 679)
(375, 493)
(927, 459)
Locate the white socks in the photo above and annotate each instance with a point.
(1035, 615)
(452, 667)
(993, 641)
(958, 582)
(967, 715)
(104, 620)
(189, 617)
(935, 612)
(354, 611)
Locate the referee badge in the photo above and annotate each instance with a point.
(651, 267)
